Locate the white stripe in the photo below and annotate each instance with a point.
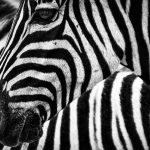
(136, 105)
(116, 111)
(14, 3)
(57, 131)
(92, 98)
(3, 42)
(128, 5)
(99, 89)
(74, 139)
(60, 2)
(6, 148)
(42, 140)
(48, 77)
(24, 146)
(52, 5)
(145, 24)
(31, 91)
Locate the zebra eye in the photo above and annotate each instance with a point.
(45, 16)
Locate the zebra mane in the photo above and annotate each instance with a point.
(8, 9)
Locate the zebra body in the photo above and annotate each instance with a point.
(58, 49)
(114, 115)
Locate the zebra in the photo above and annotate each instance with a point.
(114, 115)
(57, 50)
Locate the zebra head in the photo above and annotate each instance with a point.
(53, 54)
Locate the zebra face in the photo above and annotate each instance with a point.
(50, 59)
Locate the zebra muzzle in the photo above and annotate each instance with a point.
(18, 126)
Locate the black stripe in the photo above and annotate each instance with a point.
(106, 114)
(65, 132)
(126, 107)
(123, 3)
(16, 148)
(149, 19)
(145, 111)
(1, 146)
(6, 9)
(83, 121)
(33, 146)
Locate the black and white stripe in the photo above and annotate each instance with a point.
(137, 32)
(58, 49)
(113, 115)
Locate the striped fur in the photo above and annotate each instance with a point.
(50, 62)
(114, 115)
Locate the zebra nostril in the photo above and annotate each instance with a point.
(43, 113)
